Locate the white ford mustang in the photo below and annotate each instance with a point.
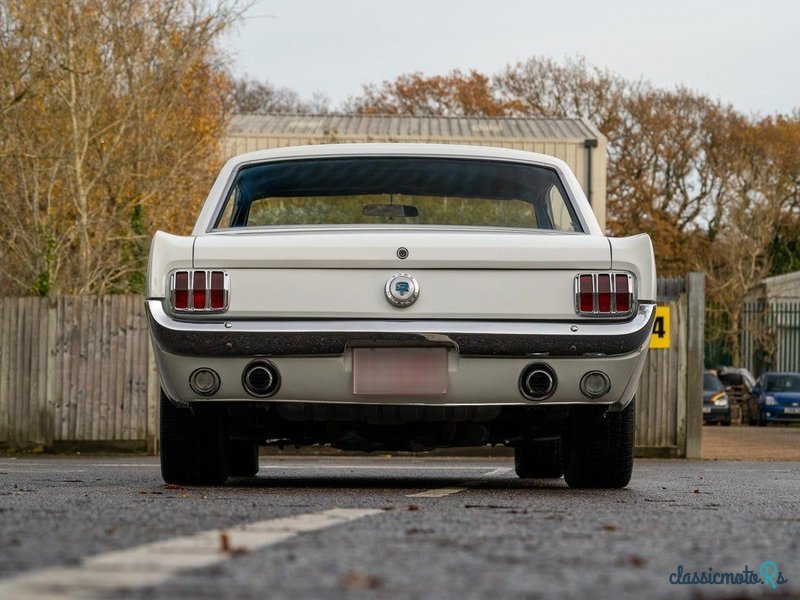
(399, 297)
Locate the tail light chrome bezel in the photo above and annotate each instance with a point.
(613, 312)
(207, 308)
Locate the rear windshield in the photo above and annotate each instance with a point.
(783, 383)
(398, 191)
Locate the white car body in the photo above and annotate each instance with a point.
(492, 300)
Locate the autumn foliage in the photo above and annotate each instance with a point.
(456, 93)
(110, 127)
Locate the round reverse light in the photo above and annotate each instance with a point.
(204, 381)
(595, 383)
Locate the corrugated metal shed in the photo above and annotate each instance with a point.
(575, 141)
(413, 126)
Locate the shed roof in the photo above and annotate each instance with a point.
(399, 126)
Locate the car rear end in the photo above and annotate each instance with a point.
(454, 297)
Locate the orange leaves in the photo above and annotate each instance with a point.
(456, 93)
(117, 134)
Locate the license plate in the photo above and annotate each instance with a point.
(792, 410)
(706, 409)
(399, 371)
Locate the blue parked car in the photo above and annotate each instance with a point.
(775, 398)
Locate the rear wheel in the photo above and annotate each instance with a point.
(192, 444)
(539, 459)
(242, 458)
(598, 447)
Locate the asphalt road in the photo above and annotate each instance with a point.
(340, 527)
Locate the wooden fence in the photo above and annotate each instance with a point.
(81, 369)
(669, 403)
(76, 369)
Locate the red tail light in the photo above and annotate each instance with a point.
(199, 291)
(586, 293)
(180, 290)
(217, 290)
(604, 294)
(623, 292)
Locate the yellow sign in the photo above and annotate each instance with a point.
(660, 337)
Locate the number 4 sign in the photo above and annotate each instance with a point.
(660, 337)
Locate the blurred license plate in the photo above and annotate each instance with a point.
(792, 410)
(706, 409)
(400, 371)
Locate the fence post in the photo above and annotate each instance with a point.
(696, 292)
(153, 400)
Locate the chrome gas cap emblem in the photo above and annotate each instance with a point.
(402, 290)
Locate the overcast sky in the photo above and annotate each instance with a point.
(746, 52)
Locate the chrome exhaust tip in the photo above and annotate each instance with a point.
(537, 382)
(261, 379)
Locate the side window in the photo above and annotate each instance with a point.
(558, 212)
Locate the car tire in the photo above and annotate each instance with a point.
(192, 444)
(598, 447)
(760, 420)
(539, 459)
(725, 423)
(242, 458)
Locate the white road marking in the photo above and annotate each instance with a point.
(437, 493)
(150, 564)
(498, 471)
(441, 492)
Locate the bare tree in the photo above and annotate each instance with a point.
(260, 97)
(762, 172)
(114, 131)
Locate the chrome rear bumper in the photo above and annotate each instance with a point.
(333, 337)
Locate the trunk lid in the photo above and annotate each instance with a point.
(478, 274)
(334, 248)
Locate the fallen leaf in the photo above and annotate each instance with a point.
(226, 548)
(173, 486)
(413, 507)
(609, 527)
(635, 560)
(359, 581)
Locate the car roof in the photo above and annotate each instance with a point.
(383, 149)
